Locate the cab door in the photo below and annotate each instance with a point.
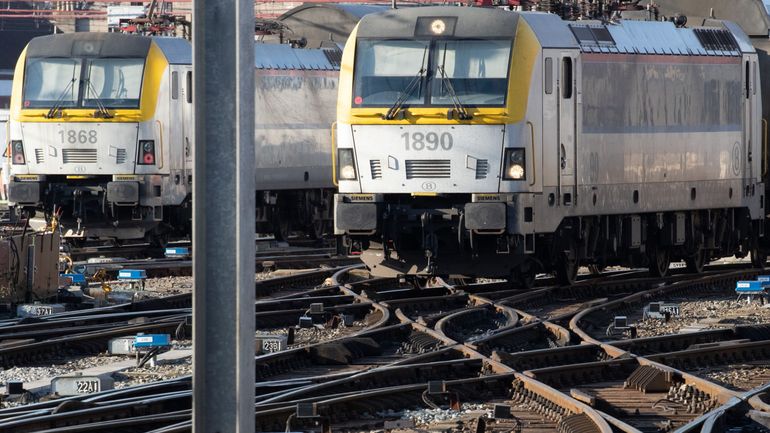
(566, 152)
(186, 103)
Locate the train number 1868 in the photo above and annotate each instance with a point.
(82, 137)
(428, 141)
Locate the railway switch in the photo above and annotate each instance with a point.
(14, 387)
(307, 410)
(501, 411)
(436, 387)
(121, 346)
(620, 326)
(305, 322)
(751, 289)
(76, 279)
(177, 252)
(347, 319)
(136, 277)
(148, 346)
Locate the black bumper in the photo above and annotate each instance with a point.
(24, 193)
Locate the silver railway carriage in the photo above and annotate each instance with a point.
(101, 135)
(295, 95)
(489, 143)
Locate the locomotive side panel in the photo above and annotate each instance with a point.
(293, 128)
(661, 126)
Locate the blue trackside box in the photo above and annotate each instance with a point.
(152, 340)
(177, 252)
(749, 287)
(132, 274)
(77, 279)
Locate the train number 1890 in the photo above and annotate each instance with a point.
(428, 141)
(78, 137)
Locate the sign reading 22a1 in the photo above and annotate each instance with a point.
(428, 141)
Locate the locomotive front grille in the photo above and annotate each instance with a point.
(79, 156)
(39, 156)
(376, 168)
(428, 169)
(482, 168)
(121, 157)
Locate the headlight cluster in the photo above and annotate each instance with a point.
(146, 152)
(346, 164)
(17, 152)
(514, 164)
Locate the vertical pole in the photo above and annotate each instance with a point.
(223, 216)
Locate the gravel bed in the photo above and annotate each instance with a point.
(707, 314)
(316, 334)
(163, 370)
(737, 377)
(60, 367)
(425, 417)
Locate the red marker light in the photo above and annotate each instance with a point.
(358, 100)
(149, 158)
(26, 103)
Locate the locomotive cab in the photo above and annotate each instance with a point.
(91, 117)
(433, 147)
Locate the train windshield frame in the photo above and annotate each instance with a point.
(83, 82)
(474, 70)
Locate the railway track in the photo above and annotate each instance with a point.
(478, 357)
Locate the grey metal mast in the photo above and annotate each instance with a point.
(223, 216)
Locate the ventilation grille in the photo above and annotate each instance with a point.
(427, 169)
(482, 168)
(376, 168)
(592, 35)
(79, 156)
(716, 39)
(334, 56)
(121, 158)
(39, 156)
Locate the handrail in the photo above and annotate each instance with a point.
(764, 147)
(532, 154)
(334, 154)
(160, 127)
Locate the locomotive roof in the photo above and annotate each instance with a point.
(720, 38)
(283, 56)
(353, 10)
(471, 22)
(178, 51)
(89, 45)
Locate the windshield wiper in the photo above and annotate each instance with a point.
(407, 92)
(459, 108)
(101, 110)
(57, 105)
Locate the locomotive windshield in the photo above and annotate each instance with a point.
(83, 83)
(473, 71)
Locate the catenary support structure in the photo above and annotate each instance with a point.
(223, 217)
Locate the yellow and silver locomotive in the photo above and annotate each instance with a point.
(482, 142)
(101, 135)
(92, 121)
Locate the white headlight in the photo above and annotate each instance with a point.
(438, 27)
(348, 172)
(516, 172)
